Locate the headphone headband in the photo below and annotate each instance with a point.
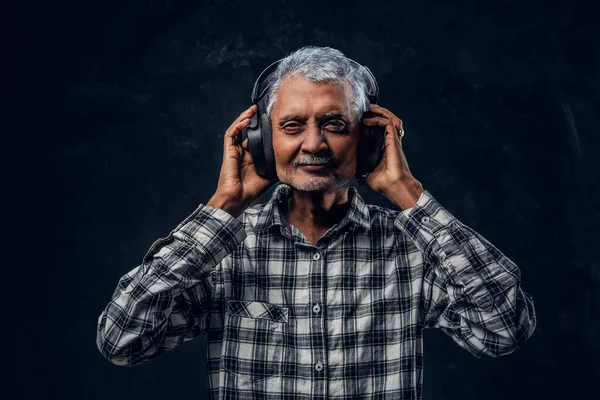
(270, 69)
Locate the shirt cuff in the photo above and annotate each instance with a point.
(424, 220)
(213, 231)
(217, 232)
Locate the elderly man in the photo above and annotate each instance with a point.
(314, 293)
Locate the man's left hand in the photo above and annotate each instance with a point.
(392, 177)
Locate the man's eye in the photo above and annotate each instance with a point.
(333, 126)
(291, 127)
(337, 126)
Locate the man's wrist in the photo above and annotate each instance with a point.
(406, 194)
(226, 204)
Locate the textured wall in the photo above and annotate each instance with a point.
(122, 106)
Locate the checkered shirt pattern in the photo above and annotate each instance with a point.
(342, 319)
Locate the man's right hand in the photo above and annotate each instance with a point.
(239, 184)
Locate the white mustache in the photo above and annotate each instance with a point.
(312, 160)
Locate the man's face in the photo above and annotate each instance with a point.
(312, 124)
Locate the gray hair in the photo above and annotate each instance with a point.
(322, 65)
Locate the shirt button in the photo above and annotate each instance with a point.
(317, 308)
(319, 366)
(316, 256)
(425, 220)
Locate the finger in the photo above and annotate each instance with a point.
(393, 145)
(232, 135)
(249, 111)
(246, 156)
(381, 121)
(392, 138)
(399, 130)
(377, 109)
(245, 148)
(235, 129)
(245, 114)
(388, 114)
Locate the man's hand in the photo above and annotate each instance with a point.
(392, 177)
(239, 184)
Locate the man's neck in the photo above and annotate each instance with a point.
(315, 211)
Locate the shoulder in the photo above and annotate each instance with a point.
(256, 217)
(382, 218)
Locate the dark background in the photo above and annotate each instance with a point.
(121, 107)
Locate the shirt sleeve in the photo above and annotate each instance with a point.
(164, 301)
(470, 289)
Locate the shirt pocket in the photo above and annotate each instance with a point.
(255, 340)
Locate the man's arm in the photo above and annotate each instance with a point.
(471, 290)
(164, 302)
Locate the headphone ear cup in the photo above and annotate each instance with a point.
(370, 149)
(255, 145)
(267, 147)
(267, 142)
(260, 144)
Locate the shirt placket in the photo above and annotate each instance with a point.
(318, 328)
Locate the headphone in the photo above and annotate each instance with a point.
(259, 133)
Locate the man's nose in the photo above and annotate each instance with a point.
(314, 140)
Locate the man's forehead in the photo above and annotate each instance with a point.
(302, 106)
(301, 92)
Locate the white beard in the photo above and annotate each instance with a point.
(317, 183)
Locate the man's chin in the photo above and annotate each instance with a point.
(315, 184)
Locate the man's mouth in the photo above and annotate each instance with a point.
(315, 167)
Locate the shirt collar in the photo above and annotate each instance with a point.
(271, 214)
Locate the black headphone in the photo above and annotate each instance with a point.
(259, 133)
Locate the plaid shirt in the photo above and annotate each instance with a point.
(340, 320)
